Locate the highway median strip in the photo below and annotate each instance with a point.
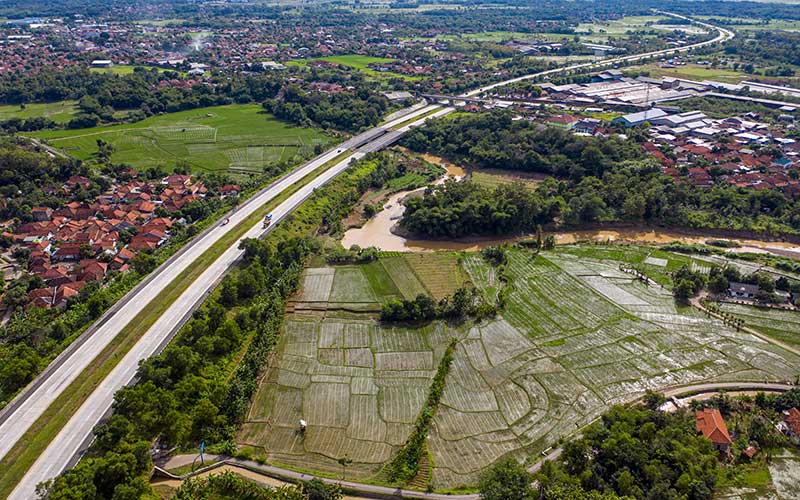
(36, 439)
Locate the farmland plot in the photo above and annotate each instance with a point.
(577, 335)
(439, 272)
(781, 325)
(403, 276)
(317, 285)
(359, 387)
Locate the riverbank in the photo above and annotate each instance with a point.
(382, 231)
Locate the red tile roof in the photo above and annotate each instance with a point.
(710, 423)
(793, 421)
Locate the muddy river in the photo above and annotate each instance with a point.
(377, 231)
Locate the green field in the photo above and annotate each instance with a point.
(492, 178)
(59, 112)
(577, 335)
(749, 24)
(697, 72)
(238, 137)
(359, 62)
(124, 69)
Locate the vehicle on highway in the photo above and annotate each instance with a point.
(267, 220)
(226, 221)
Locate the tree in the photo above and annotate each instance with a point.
(505, 480)
(86, 251)
(653, 400)
(143, 263)
(683, 290)
(317, 490)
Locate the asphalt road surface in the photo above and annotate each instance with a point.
(24, 410)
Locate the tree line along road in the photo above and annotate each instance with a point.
(62, 452)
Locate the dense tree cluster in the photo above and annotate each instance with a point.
(640, 453)
(464, 302)
(688, 283)
(494, 140)
(594, 180)
(23, 174)
(349, 111)
(230, 486)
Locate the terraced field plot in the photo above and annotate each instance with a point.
(576, 336)
(781, 325)
(358, 385)
(239, 137)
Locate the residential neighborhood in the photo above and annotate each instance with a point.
(82, 242)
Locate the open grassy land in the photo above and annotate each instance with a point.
(361, 63)
(124, 69)
(750, 24)
(239, 137)
(781, 325)
(697, 72)
(492, 178)
(577, 335)
(59, 112)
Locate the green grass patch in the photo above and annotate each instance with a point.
(125, 69)
(697, 72)
(59, 112)
(361, 63)
(351, 285)
(380, 281)
(241, 137)
(492, 178)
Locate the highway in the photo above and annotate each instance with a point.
(17, 417)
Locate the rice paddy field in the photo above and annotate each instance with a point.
(778, 324)
(577, 334)
(238, 137)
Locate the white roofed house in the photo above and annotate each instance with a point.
(635, 119)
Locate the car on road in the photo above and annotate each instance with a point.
(226, 221)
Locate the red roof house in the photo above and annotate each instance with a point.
(710, 423)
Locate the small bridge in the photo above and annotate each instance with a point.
(451, 98)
